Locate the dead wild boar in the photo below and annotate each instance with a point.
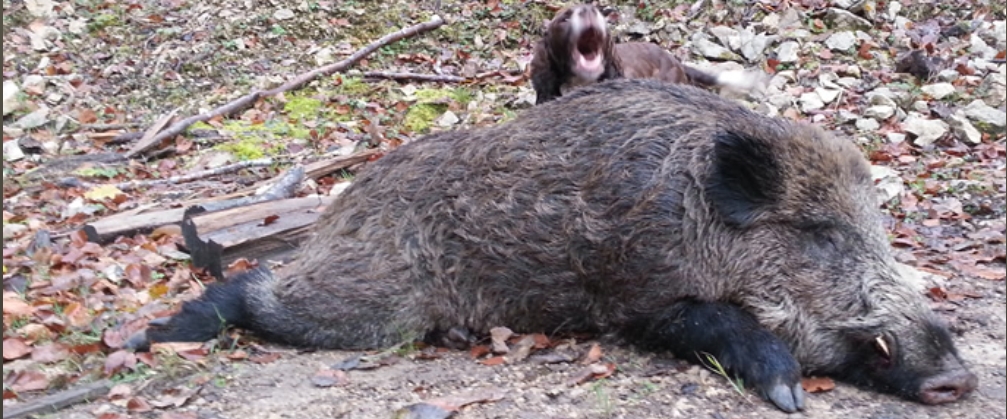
(659, 213)
(578, 50)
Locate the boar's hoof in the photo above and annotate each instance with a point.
(788, 398)
(948, 387)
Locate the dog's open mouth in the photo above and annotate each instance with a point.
(587, 54)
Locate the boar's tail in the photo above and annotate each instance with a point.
(735, 79)
(246, 301)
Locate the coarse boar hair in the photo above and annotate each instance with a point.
(660, 213)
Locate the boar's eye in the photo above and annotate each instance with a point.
(825, 237)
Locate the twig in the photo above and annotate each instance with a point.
(55, 402)
(283, 188)
(444, 78)
(107, 127)
(298, 81)
(148, 140)
(124, 186)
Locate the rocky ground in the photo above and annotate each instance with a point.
(920, 86)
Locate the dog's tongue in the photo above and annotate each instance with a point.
(592, 64)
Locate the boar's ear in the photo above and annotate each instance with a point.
(745, 179)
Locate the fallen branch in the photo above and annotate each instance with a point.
(298, 81)
(107, 127)
(134, 184)
(149, 136)
(325, 167)
(443, 78)
(283, 188)
(55, 402)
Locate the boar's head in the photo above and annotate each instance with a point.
(807, 232)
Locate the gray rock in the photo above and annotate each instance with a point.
(926, 130)
(34, 119)
(283, 14)
(848, 82)
(11, 102)
(709, 49)
(786, 52)
(447, 119)
(894, 8)
(828, 95)
(883, 96)
(948, 74)
(921, 106)
(895, 137)
(939, 90)
(867, 124)
(844, 19)
(811, 101)
(979, 47)
(771, 22)
(999, 32)
(888, 182)
(880, 112)
(33, 81)
(844, 116)
(12, 151)
(753, 44)
(990, 119)
(963, 129)
(841, 41)
(851, 70)
(727, 36)
(13, 230)
(779, 99)
(40, 8)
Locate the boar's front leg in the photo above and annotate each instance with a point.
(694, 329)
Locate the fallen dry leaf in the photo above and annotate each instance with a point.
(593, 371)
(264, 358)
(50, 352)
(13, 305)
(330, 378)
(496, 360)
(15, 348)
(499, 336)
(138, 405)
(178, 415)
(458, 401)
(119, 392)
(593, 354)
(29, 381)
(118, 361)
(478, 350)
(817, 384)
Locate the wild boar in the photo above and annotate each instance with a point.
(660, 213)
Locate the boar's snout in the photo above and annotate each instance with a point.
(947, 387)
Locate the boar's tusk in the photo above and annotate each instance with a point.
(882, 345)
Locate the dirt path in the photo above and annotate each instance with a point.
(645, 386)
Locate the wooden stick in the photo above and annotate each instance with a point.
(443, 78)
(124, 186)
(298, 81)
(55, 402)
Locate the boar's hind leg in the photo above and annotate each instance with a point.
(693, 330)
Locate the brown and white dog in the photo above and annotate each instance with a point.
(577, 50)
